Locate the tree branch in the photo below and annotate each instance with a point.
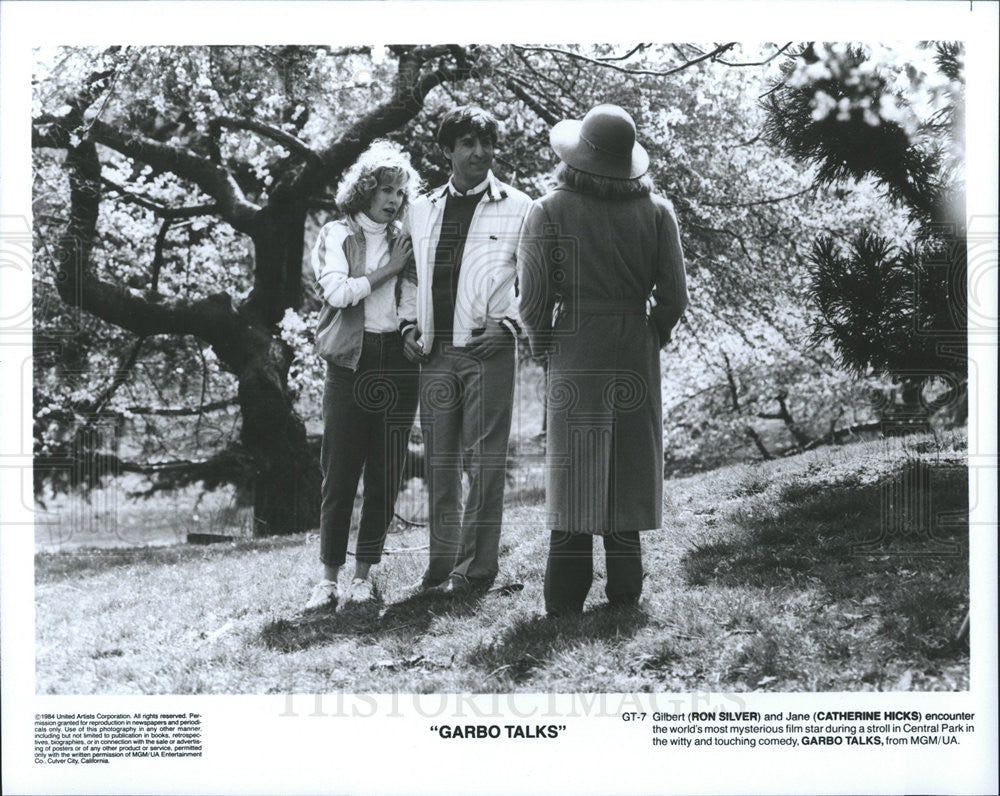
(726, 231)
(800, 437)
(212, 319)
(53, 132)
(121, 375)
(734, 392)
(183, 411)
(172, 213)
(748, 142)
(161, 239)
(666, 73)
(540, 110)
(759, 443)
(626, 56)
(59, 132)
(540, 78)
(107, 96)
(757, 63)
(212, 178)
(112, 463)
(287, 140)
(758, 202)
(411, 87)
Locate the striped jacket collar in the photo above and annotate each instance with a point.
(494, 190)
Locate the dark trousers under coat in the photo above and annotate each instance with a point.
(570, 570)
(367, 416)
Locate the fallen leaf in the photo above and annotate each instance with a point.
(215, 635)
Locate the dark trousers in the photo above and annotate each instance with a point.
(570, 569)
(367, 416)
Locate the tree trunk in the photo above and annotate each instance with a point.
(286, 471)
(287, 476)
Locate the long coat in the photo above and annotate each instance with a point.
(588, 266)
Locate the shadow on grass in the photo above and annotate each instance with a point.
(410, 617)
(897, 548)
(50, 567)
(533, 642)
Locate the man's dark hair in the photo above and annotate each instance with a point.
(467, 119)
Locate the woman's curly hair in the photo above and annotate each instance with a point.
(604, 187)
(384, 162)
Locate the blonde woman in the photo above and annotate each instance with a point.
(370, 395)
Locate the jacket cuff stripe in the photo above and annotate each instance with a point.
(511, 326)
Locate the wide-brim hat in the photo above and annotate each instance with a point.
(603, 143)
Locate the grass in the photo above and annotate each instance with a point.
(842, 569)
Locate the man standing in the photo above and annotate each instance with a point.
(459, 321)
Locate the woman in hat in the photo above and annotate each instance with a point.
(593, 252)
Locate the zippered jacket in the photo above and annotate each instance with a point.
(487, 281)
(342, 284)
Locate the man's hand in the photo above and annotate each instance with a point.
(492, 339)
(412, 349)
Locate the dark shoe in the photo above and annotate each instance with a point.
(424, 587)
(558, 611)
(457, 586)
(481, 585)
(623, 600)
(507, 589)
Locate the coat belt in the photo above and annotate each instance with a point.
(616, 307)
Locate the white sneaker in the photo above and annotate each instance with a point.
(361, 590)
(323, 597)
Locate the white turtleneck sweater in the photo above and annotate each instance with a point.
(340, 289)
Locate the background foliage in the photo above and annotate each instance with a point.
(757, 368)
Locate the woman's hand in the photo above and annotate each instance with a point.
(401, 254)
(402, 251)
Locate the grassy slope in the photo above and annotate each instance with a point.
(842, 569)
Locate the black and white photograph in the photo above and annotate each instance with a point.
(650, 366)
